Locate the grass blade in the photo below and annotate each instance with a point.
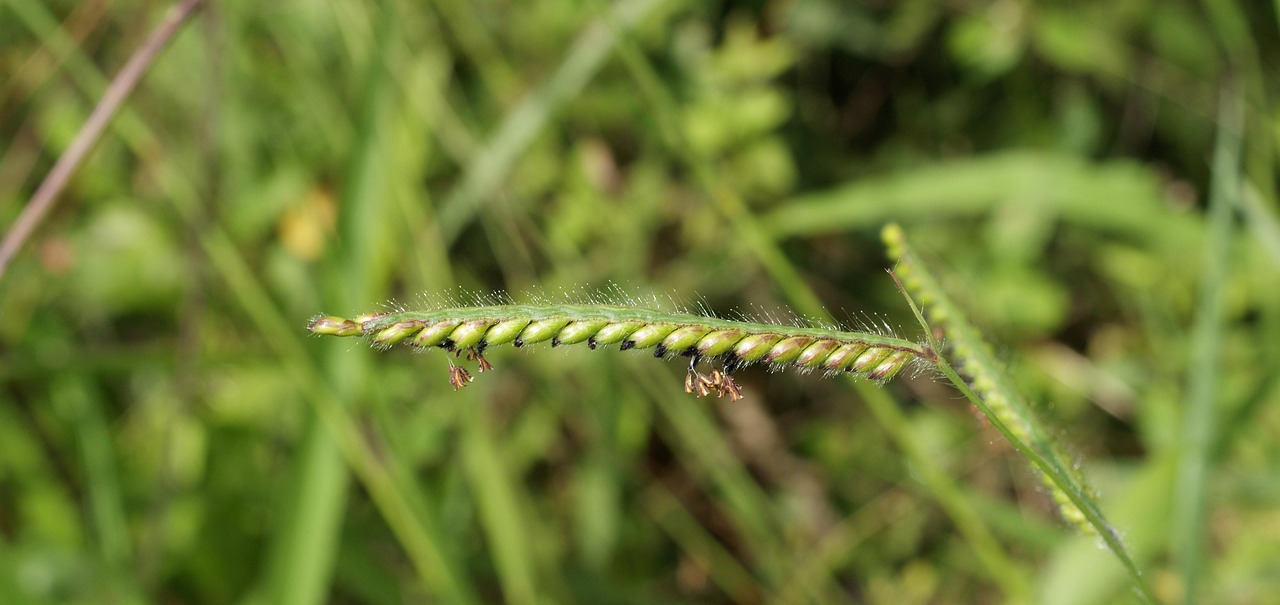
(501, 510)
(527, 119)
(1261, 221)
(1204, 377)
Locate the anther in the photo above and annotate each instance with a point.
(458, 376)
(475, 355)
(705, 385)
(726, 385)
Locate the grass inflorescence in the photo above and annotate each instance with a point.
(731, 344)
(981, 379)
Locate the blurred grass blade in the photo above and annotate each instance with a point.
(1117, 196)
(1204, 377)
(1261, 221)
(83, 407)
(705, 447)
(306, 541)
(508, 533)
(486, 171)
(699, 544)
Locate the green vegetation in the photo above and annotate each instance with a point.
(1089, 190)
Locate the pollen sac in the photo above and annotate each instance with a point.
(505, 331)
(435, 334)
(814, 354)
(788, 349)
(725, 385)
(478, 357)
(683, 338)
(579, 331)
(691, 382)
(717, 342)
(396, 332)
(469, 333)
(649, 335)
(335, 326)
(458, 377)
(840, 359)
(754, 347)
(542, 329)
(870, 359)
(615, 332)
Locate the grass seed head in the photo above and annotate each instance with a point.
(734, 344)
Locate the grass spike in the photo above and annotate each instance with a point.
(989, 390)
(734, 344)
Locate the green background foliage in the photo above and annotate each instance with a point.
(170, 433)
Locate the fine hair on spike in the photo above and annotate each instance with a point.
(468, 324)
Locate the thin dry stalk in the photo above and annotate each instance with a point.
(123, 84)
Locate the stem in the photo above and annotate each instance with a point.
(47, 193)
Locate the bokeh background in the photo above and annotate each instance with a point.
(170, 433)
